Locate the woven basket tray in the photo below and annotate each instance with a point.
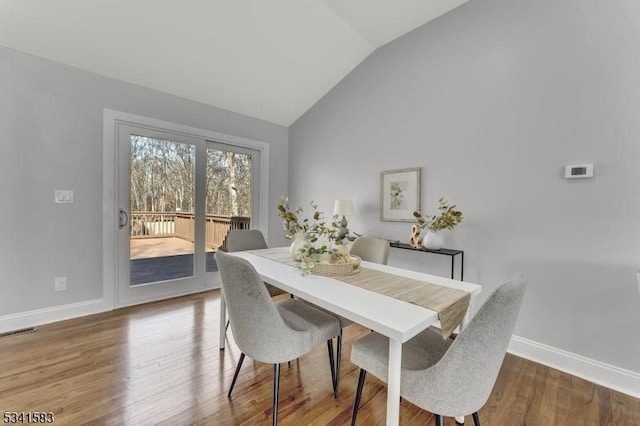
(337, 269)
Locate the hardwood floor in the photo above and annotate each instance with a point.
(159, 363)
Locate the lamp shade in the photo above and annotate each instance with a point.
(343, 207)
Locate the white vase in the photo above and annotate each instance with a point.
(300, 242)
(433, 240)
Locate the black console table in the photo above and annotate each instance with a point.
(447, 252)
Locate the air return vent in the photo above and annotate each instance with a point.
(18, 332)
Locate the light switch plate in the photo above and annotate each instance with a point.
(63, 196)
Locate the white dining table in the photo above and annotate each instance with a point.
(396, 319)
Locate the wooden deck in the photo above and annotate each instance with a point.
(144, 248)
(163, 259)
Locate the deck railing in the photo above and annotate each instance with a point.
(182, 225)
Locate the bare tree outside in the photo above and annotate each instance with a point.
(163, 178)
(228, 183)
(162, 175)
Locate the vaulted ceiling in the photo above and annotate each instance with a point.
(268, 59)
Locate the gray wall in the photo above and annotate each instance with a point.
(51, 119)
(492, 100)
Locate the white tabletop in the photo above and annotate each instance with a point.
(388, 316)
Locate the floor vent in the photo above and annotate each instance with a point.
(18, 331)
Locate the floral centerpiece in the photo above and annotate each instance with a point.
(291, 218)
(448, 218)
(314, 238)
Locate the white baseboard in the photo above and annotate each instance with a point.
(75, 310)
(607, 375)
(53, 314)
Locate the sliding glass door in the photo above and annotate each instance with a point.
(178, 197)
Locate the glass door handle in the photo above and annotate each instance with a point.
(123, 218)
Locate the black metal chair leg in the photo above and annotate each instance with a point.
(439, 420)
(356, 403)
(276, 391)
(235, 376)
(333, 368)
(226, 326)
(338, 356)
(476, 419)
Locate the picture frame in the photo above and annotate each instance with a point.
(400, 194)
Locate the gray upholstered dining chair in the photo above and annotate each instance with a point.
(268, 331)
(374, 250)
(371, 249)
(249, 239)
(448, 378)
(245, 239)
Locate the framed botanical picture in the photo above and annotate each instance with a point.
(399, 194)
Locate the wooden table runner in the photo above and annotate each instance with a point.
(450, 303)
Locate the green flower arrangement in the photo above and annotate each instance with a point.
(291, 219)
(315, 228)
(448, 218)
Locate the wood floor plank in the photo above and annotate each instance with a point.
(160, 363)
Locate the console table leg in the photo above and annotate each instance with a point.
(453, 261)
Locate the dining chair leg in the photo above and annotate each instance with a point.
(476, 419)
(333, 368)
(439, 420)
(235, 376)
(356, 403)
(338, 356)
(276, 391)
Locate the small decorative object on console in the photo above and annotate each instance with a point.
(448, 218)
(416, 239)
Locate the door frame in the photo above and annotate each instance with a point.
(112, 120)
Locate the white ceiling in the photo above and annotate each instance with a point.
(269, 59)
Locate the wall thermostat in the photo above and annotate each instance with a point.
(578, 171)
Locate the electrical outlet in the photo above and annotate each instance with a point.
(60, 284)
